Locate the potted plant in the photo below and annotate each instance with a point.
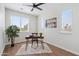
(12, 32)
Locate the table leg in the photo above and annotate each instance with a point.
(37, 42)
(26, 44)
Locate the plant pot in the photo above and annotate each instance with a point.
(12, 45)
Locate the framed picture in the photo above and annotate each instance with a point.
(51, 23)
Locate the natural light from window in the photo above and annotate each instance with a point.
(21, 22)
(67, 20)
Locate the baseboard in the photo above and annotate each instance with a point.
(76, 53)
(8, 43)
(2, 51)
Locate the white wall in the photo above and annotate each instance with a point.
(32, 24)
(68, 41)
(2, 28)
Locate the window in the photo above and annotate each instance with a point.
(67, 20)
(21, 22)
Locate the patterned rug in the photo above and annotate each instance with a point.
(33, 50)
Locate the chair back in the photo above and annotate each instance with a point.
(40, 34)
(34, 34)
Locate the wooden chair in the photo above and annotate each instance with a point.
(34, 38)
(41, 39)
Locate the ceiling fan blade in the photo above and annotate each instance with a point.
(29, 5)
(39, 4)
(32, 9)
(38, 8)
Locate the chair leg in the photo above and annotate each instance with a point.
(37, 43)
(42, 44)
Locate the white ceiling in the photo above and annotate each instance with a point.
(47, 7)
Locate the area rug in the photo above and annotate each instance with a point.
(33, 50)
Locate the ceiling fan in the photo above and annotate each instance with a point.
(35, 5)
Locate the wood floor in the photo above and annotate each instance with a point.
(11, 51)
